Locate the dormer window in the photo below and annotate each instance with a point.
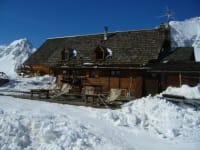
(99, 53)
(68, 54)
(103, 53)
(65, 54)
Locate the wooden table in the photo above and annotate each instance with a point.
(41, 93)
(98, 88)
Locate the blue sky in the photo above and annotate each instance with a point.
(41, 19)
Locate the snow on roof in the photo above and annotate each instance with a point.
(196, 46)
(109, 51)
(197, 54)
(74, 53)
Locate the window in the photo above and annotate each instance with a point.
(93, 74)
(68, 53)
(103, 53)
(115, 73)
(99, 53)
(65, 54)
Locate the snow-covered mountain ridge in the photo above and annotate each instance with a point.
(14, 54)
(186, 33)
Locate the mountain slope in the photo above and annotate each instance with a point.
(186, 33)
(14, 54)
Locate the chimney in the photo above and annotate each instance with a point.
(105, 33)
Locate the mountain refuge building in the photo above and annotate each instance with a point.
(139, 62)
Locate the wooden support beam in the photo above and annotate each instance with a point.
(180, 79)
(119, 79)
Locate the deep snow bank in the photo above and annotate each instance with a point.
(29, 125)
(184, 90)
(49, 132)
(158, 117)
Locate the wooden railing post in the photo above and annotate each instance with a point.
(180, 79)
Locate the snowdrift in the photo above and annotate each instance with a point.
(185, 90)
(158, 117)
(46, 132)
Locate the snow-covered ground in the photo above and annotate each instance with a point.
(25, 84)
(184, 90)
(146, 123)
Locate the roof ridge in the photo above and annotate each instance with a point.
(100, 33)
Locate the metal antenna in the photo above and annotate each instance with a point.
(168, 14)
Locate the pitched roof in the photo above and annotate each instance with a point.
(129, 47)
(180, 60)
(181, 54)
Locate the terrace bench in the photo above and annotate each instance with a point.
(41, 93)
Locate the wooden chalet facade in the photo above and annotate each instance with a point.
(126, 60)
(177, 68)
